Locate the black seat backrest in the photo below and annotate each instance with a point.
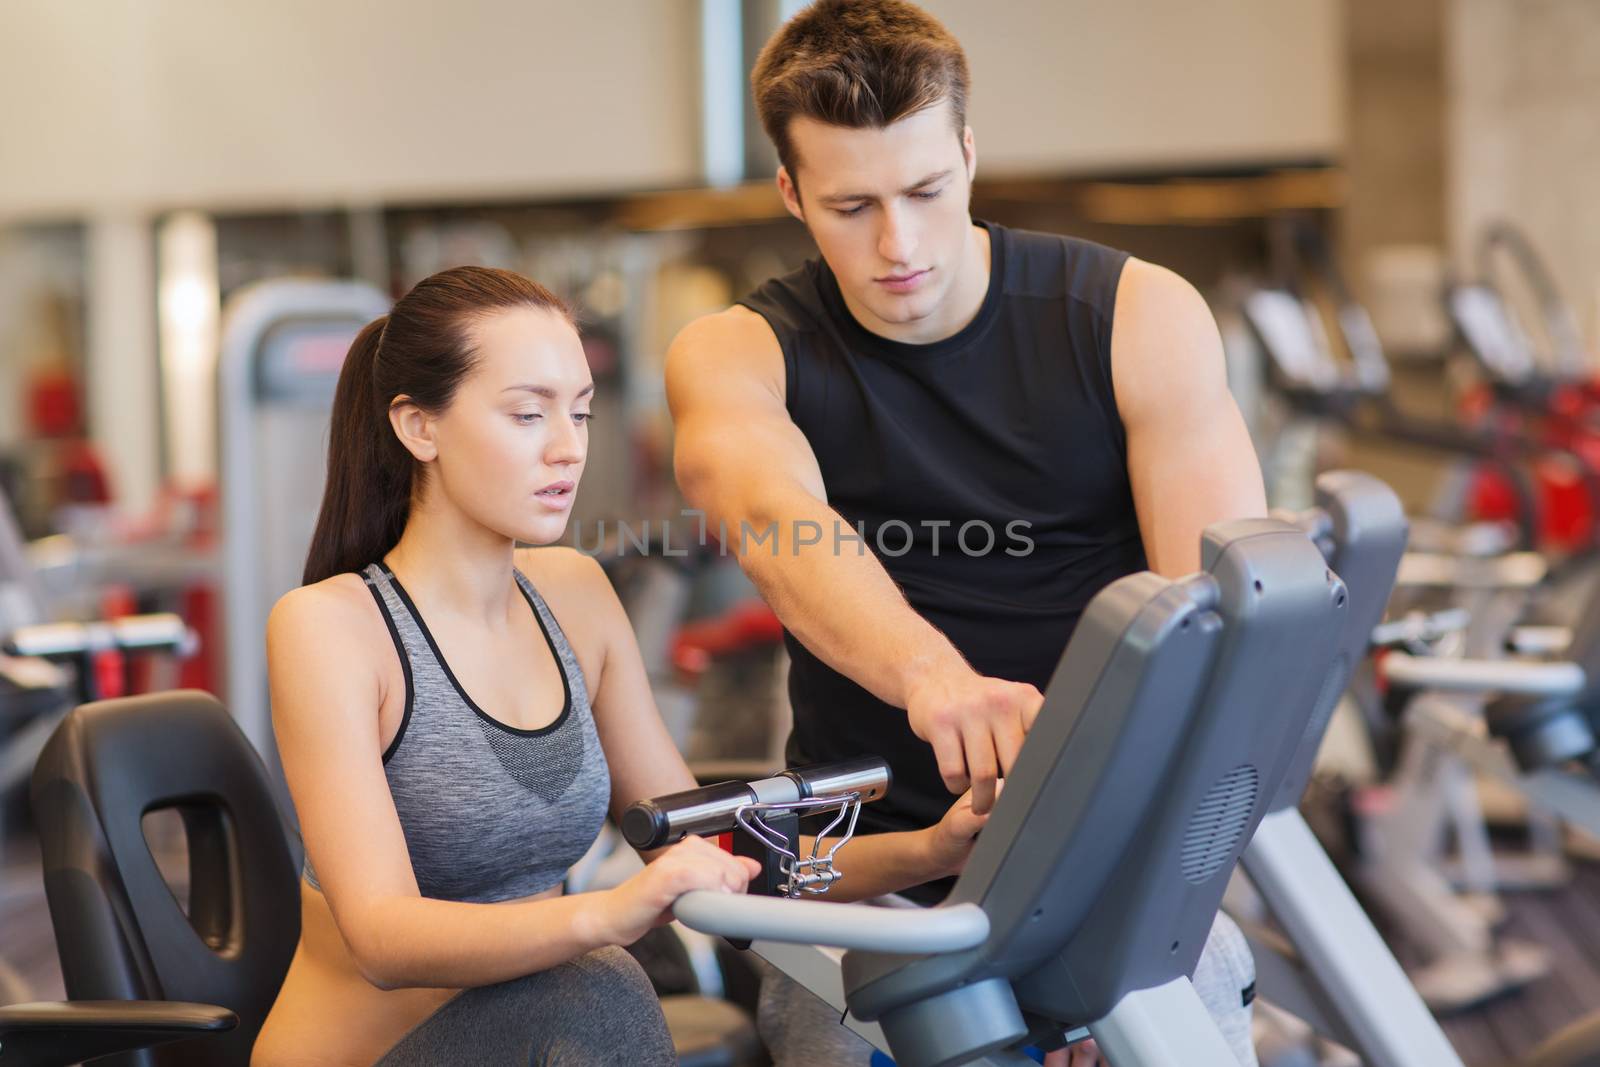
(120, 931)
(1164, 734)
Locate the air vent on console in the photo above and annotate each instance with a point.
(1218, 823)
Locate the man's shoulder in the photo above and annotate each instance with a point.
(1148, 290)
(1165, 343)
(728, 333)
(789, 302)
(1053, 265)
(732, 347)
(1045, 243)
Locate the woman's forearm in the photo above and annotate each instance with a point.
(422, 942)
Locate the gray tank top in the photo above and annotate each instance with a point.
(490, 812)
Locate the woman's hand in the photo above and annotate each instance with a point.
(646, 899)
(951, 840)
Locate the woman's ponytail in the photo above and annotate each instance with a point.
(368, 493)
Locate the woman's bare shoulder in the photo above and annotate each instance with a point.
(562, 571)
(336, 617)
(344, 598)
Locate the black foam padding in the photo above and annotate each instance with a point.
(120, 932)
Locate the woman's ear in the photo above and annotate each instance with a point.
(414, 428)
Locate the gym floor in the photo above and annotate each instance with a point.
(1566, 923)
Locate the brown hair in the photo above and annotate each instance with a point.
(858, 64)
(421, 350)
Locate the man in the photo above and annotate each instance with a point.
(1007, 421)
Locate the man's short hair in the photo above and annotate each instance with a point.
(860, 64)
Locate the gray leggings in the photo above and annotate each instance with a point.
(596, 1009)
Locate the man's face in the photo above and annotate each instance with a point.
(888, 209)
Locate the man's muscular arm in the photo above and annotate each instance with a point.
(1190, 459)
(741, 459)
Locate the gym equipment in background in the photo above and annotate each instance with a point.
(283, 344)
(1538, 484)
(1533, 374)
(1522, 358)
(46, 667)
(1329, 966)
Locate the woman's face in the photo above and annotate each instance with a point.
(512, 443)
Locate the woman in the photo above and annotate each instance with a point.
(451, 747)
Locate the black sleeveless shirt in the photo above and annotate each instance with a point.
(987, 471)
